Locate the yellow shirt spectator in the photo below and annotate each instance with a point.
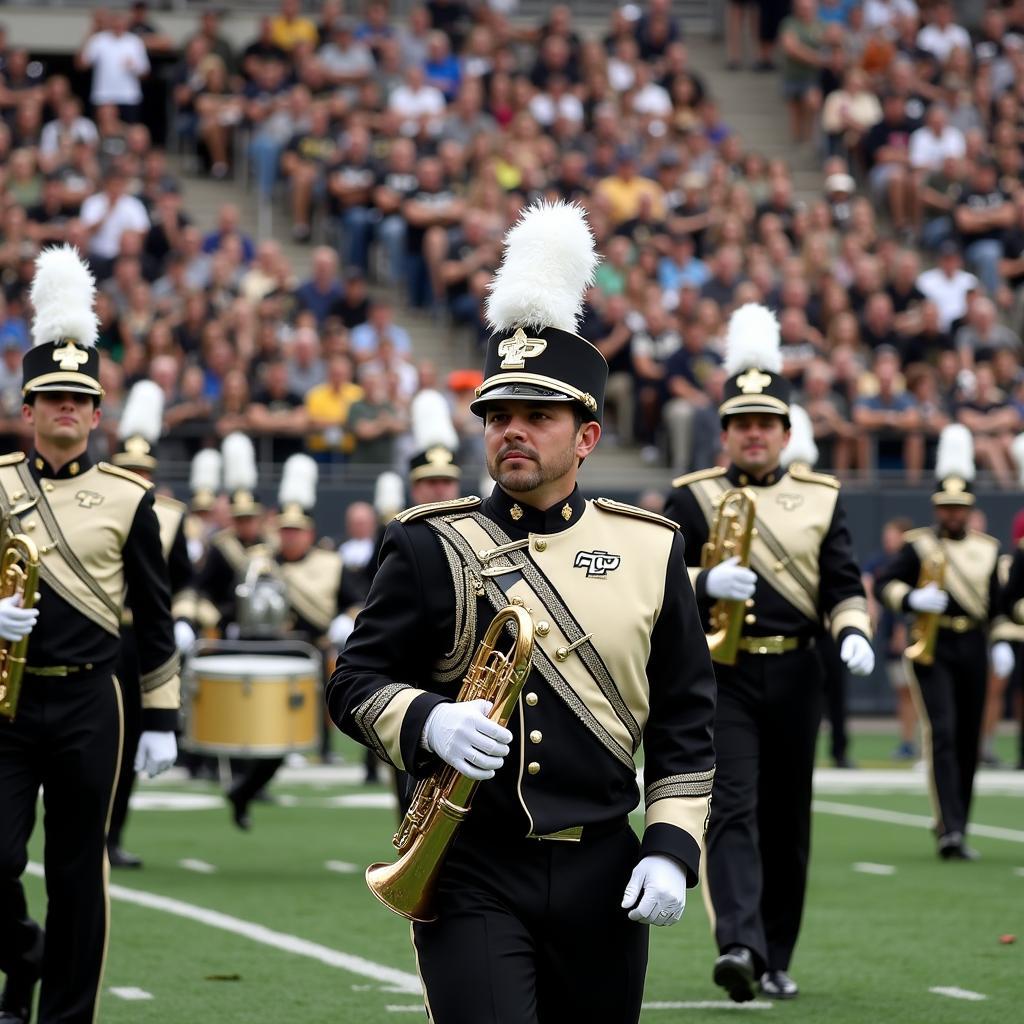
(622, 193)
(286, 31)
(328, 405)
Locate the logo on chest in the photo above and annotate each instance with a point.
(89, 499)
(597, 563)
(789, 501)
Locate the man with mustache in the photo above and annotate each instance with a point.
(801, 574)
(545, 897)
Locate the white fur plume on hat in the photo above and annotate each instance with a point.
(388, 495)
(801, 446)
(204, 474)
(239, 463)
(63, 292)
(1017, 453)
(298, 482)
(143, 414)
(432, 421)
(548, 266)
(752, 340)
(955, 454)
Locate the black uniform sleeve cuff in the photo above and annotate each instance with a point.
(159, 720)
(419, 762)
(851, 631)
(669, 841)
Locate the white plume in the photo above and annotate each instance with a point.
(204, 474)
(143, 413)
(752, 339)
(239, 463)
(548, 265)
(801, 446)
(63, 292)
(298, 482)
(388, 495)
(432, 421)
(1017, 452)
(955, 455)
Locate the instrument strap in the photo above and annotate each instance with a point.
(959, 585)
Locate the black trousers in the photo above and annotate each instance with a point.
(531, 932)
(951, 697)
(131, 701)
(258, 772)
(67, 739)
(835, 675)
(759, 833)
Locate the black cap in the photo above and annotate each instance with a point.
(435, 462)
(545, 365)
(754, 390)
(62, 365)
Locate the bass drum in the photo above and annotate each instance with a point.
(252, 705)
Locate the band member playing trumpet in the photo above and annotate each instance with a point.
(543, 901)
(948, 576)
(98, 542)
(801, 571)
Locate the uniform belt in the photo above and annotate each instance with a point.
(578, 833)
(56, 670)
(958, 623)
(770, 644)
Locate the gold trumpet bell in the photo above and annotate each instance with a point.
(19, 574)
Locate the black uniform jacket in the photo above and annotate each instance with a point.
(644, 674)
(802, 553)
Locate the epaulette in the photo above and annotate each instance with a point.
(700, 474)
(12, 458)
(172, 503)
(979, 535)
(125, 474)
(808, 476)
(917, 533)
(437, 507)
(622, 509)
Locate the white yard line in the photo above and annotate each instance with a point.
(131, 994)
(200, 867)
(865, 867)
(916, 820)
(709, 1004)
(958, 993)
(341, 867)
(401, 980)
(1019, 872)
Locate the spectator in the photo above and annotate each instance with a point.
(433, 204)
(327, 406)
(935, 142)
(229, 221)
(375, 423)
(620, 193)
(887, 152)
(347, 61)
(304, 164)
(848, 113)
(889, 421)
(982, 335)
(801, 37)
(118, 61)
(109, 216)
(380, 324)
(289, 29)
(994, 421)
(418, 106)
(942, 35)
(651, 347)
(947, 285)
(278, 413)
(983, 213)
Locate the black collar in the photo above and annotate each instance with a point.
(41, 468)
(738, 478)
(518, 517)
(946, 535)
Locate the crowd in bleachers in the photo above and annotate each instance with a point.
(403, 146)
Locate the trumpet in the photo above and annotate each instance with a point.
(925, 630)
(732, 532)
(19, 574)
(441, 802)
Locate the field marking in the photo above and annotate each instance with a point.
(918, 820)
(865, 867)
(130, 993)
(342, 867)
(402, 980)
(1019, 872)
(709, 1004)
(958, 993)
(200, 867)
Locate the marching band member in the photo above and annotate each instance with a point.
(204, 485)
(801, 571)
(544, 898)
(948, 575)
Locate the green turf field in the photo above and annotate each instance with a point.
(308, 943)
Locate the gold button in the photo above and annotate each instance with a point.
(88, 667)
(762, 650)
(779, 566)
(531, 699)
(540, 544)
(744, 479)
(30, 526)
(73, 469)
(750, 619)
(517, 601)
(17, 495)
(47, 486)
(543, 627)
(562, 653)
(533, 767)
(749, 602)
(536, 736)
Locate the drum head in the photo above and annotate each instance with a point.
(234, 665)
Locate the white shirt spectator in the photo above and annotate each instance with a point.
(546, 109)
(413, 105)
(54, 132)
(652, 100)
(128, 214)
(948, 293)
(941, 42)
(928, 150)
(117, 62)
(883, 13)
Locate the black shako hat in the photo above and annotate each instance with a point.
(754, 364)
(534, 353)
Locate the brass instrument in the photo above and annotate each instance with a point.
(732, 532)
(19, 574)
(924, 632)
(442, 801)
(263, 607)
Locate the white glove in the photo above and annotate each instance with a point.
(663, 884)
(730, 581)
(156, 752)
(857, 655)
(16, 622)
(340, 628)
(928, 599)
(463, 736)
(1002, 659)
(184, 636)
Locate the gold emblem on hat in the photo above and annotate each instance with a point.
(516, 512)
(70, 356)
(439, 456)
(567, 512)
(136, 445)
(517, 349)
(753, 382)
(954, 485)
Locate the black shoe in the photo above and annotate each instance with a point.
(844, 762)
(16, 1001)
(779, 985)
(734, 971)
(121, 858)
(239, 811)
(952, 847)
